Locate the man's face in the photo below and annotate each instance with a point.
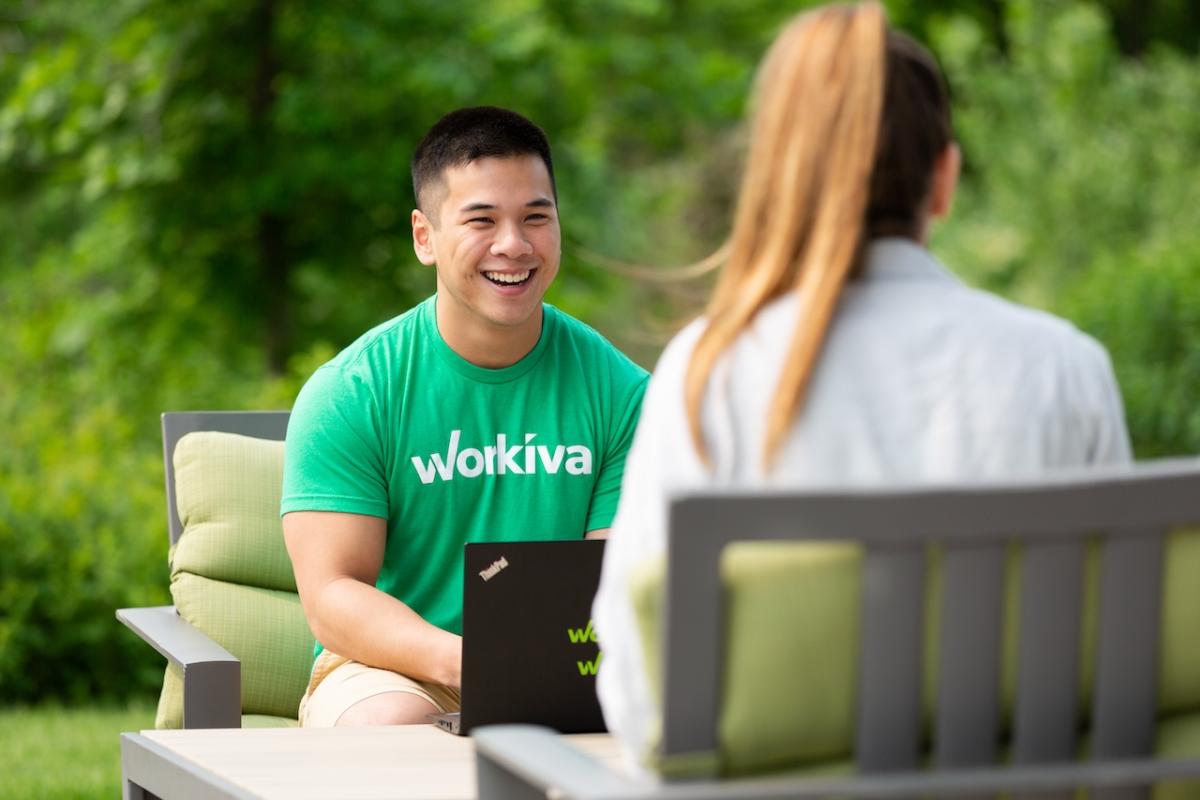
(496, 244)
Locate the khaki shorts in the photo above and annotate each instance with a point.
(338, 683)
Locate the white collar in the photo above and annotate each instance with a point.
(897, 258)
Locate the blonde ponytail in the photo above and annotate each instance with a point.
(800, 216)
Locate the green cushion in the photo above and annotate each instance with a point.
(792, 612)
(1178, 738)
(784, 603)
(170, 699)
(230, 573)
(265, 721)
(264, 629)
(1179, 690)
(170, 707)
(228, 490)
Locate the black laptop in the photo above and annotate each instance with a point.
(529, 648)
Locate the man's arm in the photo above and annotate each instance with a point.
(337, 558)
(598, 533)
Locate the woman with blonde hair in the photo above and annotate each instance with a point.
(836, 349)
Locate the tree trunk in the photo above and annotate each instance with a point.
(272, 225)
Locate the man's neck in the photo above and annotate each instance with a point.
(485, 345)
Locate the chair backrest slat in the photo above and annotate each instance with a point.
(177, 424)
(1049, 619)
(1128, 645)
(968, 692)
(888, 726)
(1049, 517)
(692, 642)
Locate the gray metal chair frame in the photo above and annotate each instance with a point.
(1129, 510)
(212, 689)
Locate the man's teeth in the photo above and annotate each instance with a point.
(507, 277)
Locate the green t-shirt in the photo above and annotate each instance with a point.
(399, 426)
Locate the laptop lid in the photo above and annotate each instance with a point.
(529, 648)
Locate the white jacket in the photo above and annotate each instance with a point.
(921, 379)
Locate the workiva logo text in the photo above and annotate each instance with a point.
(501, 459)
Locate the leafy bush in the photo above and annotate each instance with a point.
(1082, 195)
(1145, 306)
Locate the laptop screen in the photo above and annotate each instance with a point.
(529, 648)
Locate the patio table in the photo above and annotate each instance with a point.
(405, 761)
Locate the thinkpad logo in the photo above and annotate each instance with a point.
(494, 569)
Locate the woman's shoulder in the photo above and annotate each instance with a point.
(1031, 329)
(678, 352)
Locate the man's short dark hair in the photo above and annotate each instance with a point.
(469, 134)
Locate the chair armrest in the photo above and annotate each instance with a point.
(212, 678)
(527, 761)
(508, 757)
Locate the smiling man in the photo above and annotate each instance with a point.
(480, 415)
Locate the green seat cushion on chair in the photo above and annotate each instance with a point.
(1178, 737)
(266, 721)
(170, 707)
(264, 629)
(1179, 657)
(230, 574)
(1179, 689)
(792, 616)
(783, 704)
(228, 489)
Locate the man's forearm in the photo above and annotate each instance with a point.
(356, 620)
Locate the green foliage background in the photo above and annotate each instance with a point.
(200, 202)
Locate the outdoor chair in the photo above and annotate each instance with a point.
(237, 645)
(1054, 646)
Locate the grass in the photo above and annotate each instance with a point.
(55, 753)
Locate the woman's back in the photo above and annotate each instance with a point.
(921, 379)
(836, 350)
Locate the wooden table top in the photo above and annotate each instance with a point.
(393, 762)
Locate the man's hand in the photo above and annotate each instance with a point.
(599, 533)
(337, 558)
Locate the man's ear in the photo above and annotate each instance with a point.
(422, 232)
(945, 181)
